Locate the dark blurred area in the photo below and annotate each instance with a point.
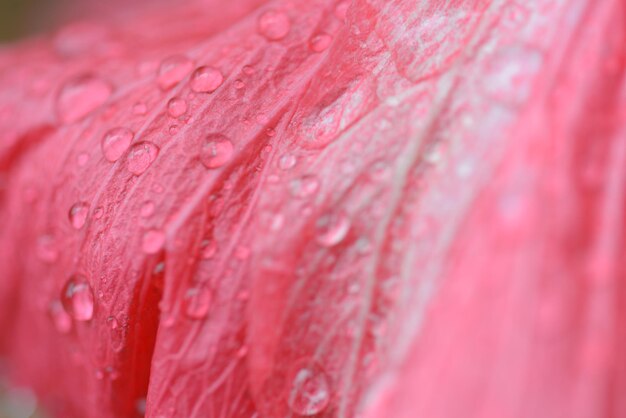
(19, 18)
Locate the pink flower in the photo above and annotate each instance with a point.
(316, 208)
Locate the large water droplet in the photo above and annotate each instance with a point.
(274, 25)
(80, 96)
(78, 214)
(197, 302)
(172, 70)
(206, 80)
(217, 151)
(140, 157)
(309, 392)
(153, 241)
(77, 298)
(304, 186)
(115, 142)
(320, 42)
(332, 228)
(176, 107)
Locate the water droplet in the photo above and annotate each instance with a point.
(62, 321)
(239, 84)
(274, 25)
(341, 11)
(172, 70)
(208, 249)
(114, 374)
(217, 151)
(153, 241)
(176, 107)
(98, 213)
(320, 42)
(270, 132)
(197, 302)
(242, 253)
(140, 406)
(141, 156)
(310, 391)
(174, 129)
(83, 159)
(159, 268)
(206, 79)
(332, 229)
(113, 323)
(78, 214)
(147, 209)
(286, 162)
(80, 96)
(77, 298)
(304, 186)
(248, 70)
(242, 352)
(79, 37)
(140, 109)
(115, 142)
(47, 249)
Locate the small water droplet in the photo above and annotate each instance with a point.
(320, 42)
(147, 209)
(332, 229)
(270, 132)
(47, 248)
(113, 323)
(79, 37)
(341, 11)
(140, 406)
(242, 352)
(304, 186)
(98, 213)
(206, 79)
(159, 268)
(115, 142)
(62, 321)
(239, 84)
(217, 151)
(172, 70)
(77, 298)
(176, 107)
(242, 253)
(287, 162)
(83, 159)
(274, 25)
(80, 96)
(248, 70)
(208, 249)
(78, 214)
(141, 156)
(152, 241)
(140, 109)
(310, 391)
(197, 302)
(114, 374)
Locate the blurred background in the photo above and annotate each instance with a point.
(20, 18)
